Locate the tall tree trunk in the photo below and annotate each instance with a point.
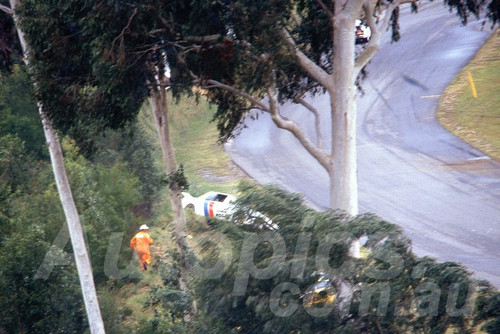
(158, 102)
(74, 226)
(344, 171)
(343, 174)
(82, 259)
(159, 107)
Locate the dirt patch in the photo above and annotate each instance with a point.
(482, 165)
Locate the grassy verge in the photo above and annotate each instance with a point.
(195, 137)
(206, 165)
(476, 120)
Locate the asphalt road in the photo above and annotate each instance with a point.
(412, 172)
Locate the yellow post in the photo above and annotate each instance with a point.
(472, 87)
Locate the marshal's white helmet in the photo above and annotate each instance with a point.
(144, 227)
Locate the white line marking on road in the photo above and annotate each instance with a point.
(484, 157)
(430, 96)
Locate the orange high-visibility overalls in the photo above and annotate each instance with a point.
(140, 243)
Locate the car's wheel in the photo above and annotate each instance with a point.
(189, 208)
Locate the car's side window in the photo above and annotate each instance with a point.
(217, 197)
(220, 198)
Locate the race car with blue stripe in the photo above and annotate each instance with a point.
(211, 204)
(221, 205)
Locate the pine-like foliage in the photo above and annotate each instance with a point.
(389, 289)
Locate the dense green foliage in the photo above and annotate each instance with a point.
(114, 194)
(29, 219)
(10, 49)
(388, 290)
(19, 114)
(94, 73)
(83, 80)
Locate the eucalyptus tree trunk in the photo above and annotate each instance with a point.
(81, 256)
(340, 163)
(343, 172)
(158, 102)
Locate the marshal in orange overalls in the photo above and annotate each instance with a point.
(140, 243)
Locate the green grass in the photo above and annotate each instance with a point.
(206, 167)
(476, 120)
(196, 141)
(195, 138)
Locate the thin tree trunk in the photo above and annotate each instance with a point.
(160, 112)
(158, 102)
(82, 259)
(74, 226)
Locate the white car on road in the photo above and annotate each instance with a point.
(363, 32)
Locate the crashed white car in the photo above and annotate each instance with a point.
(215, 204)
(211, 205)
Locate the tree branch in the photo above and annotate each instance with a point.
(309, 66)
(6, 9)
(216, 84)
(317, 120)
(285, 123)
(327, 10)
(204, 39)
(280, 121)
(376, 32)
(122, 33)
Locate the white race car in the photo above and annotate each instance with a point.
(211, 205)
(363, 32)
(215, 204)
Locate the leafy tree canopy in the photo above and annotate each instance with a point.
(110, 197)
(94, 72)
(18, 112)
(389, 289)
(84, 87)
(247, 54)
